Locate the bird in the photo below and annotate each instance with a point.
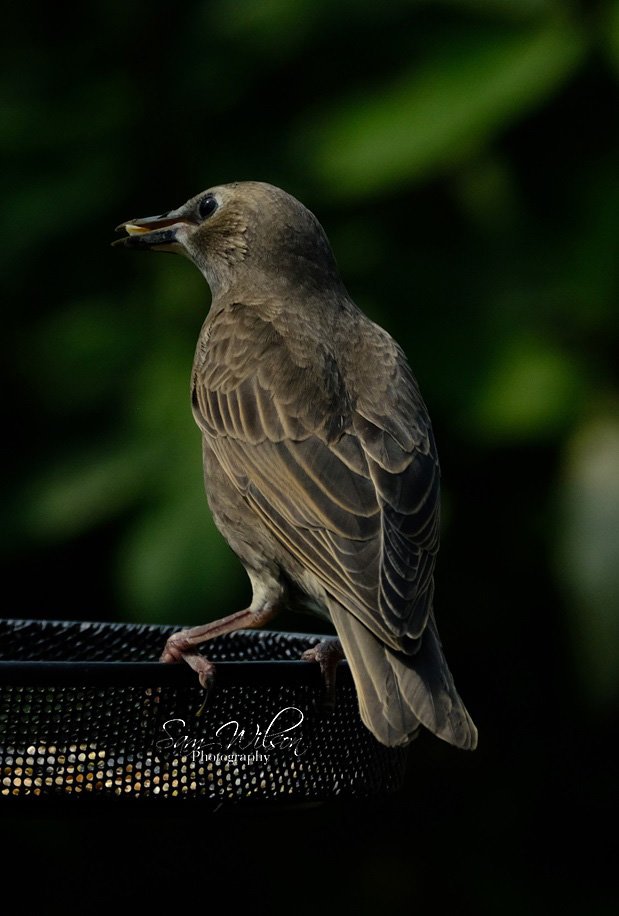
(320, 464)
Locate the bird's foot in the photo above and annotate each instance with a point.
(179, 649)
(203, 668)
(183, 645)
(206, 674)
(185, 641)
(327, 653)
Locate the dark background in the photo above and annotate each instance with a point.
(464, 160)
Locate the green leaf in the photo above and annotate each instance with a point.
(438, 113)
(76, 496)
(533, 391)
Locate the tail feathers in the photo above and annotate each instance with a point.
(399, 692)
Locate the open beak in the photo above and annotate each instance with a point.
(152, 231)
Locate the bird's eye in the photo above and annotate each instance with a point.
(207, 206)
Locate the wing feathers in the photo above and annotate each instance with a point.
(348, 482)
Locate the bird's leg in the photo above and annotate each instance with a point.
(328, 652)
(183, 646)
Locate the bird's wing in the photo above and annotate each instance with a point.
(348, 483)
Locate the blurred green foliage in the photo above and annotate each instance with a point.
(463, 157)
(440, 110)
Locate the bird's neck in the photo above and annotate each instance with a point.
(282, 280)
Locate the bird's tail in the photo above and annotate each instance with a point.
(398, 692)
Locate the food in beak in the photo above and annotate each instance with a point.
(136, 230)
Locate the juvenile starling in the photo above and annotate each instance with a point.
(320, 464)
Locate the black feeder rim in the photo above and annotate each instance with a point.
(87, 711)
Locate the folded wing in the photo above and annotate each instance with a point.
(346, 479)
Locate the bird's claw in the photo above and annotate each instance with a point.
(206, 675)
(177, 649)
(203, 668)
(327, 653)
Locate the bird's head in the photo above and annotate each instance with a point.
(245, 232)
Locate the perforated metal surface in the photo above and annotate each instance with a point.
(86, 710)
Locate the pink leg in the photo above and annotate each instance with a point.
(328, 652)
(183, 646)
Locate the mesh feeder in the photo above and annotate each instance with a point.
(87, 710)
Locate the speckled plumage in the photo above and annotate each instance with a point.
(320, 464)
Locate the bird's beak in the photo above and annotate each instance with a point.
(153, 231)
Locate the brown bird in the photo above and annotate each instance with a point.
(320, 464)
